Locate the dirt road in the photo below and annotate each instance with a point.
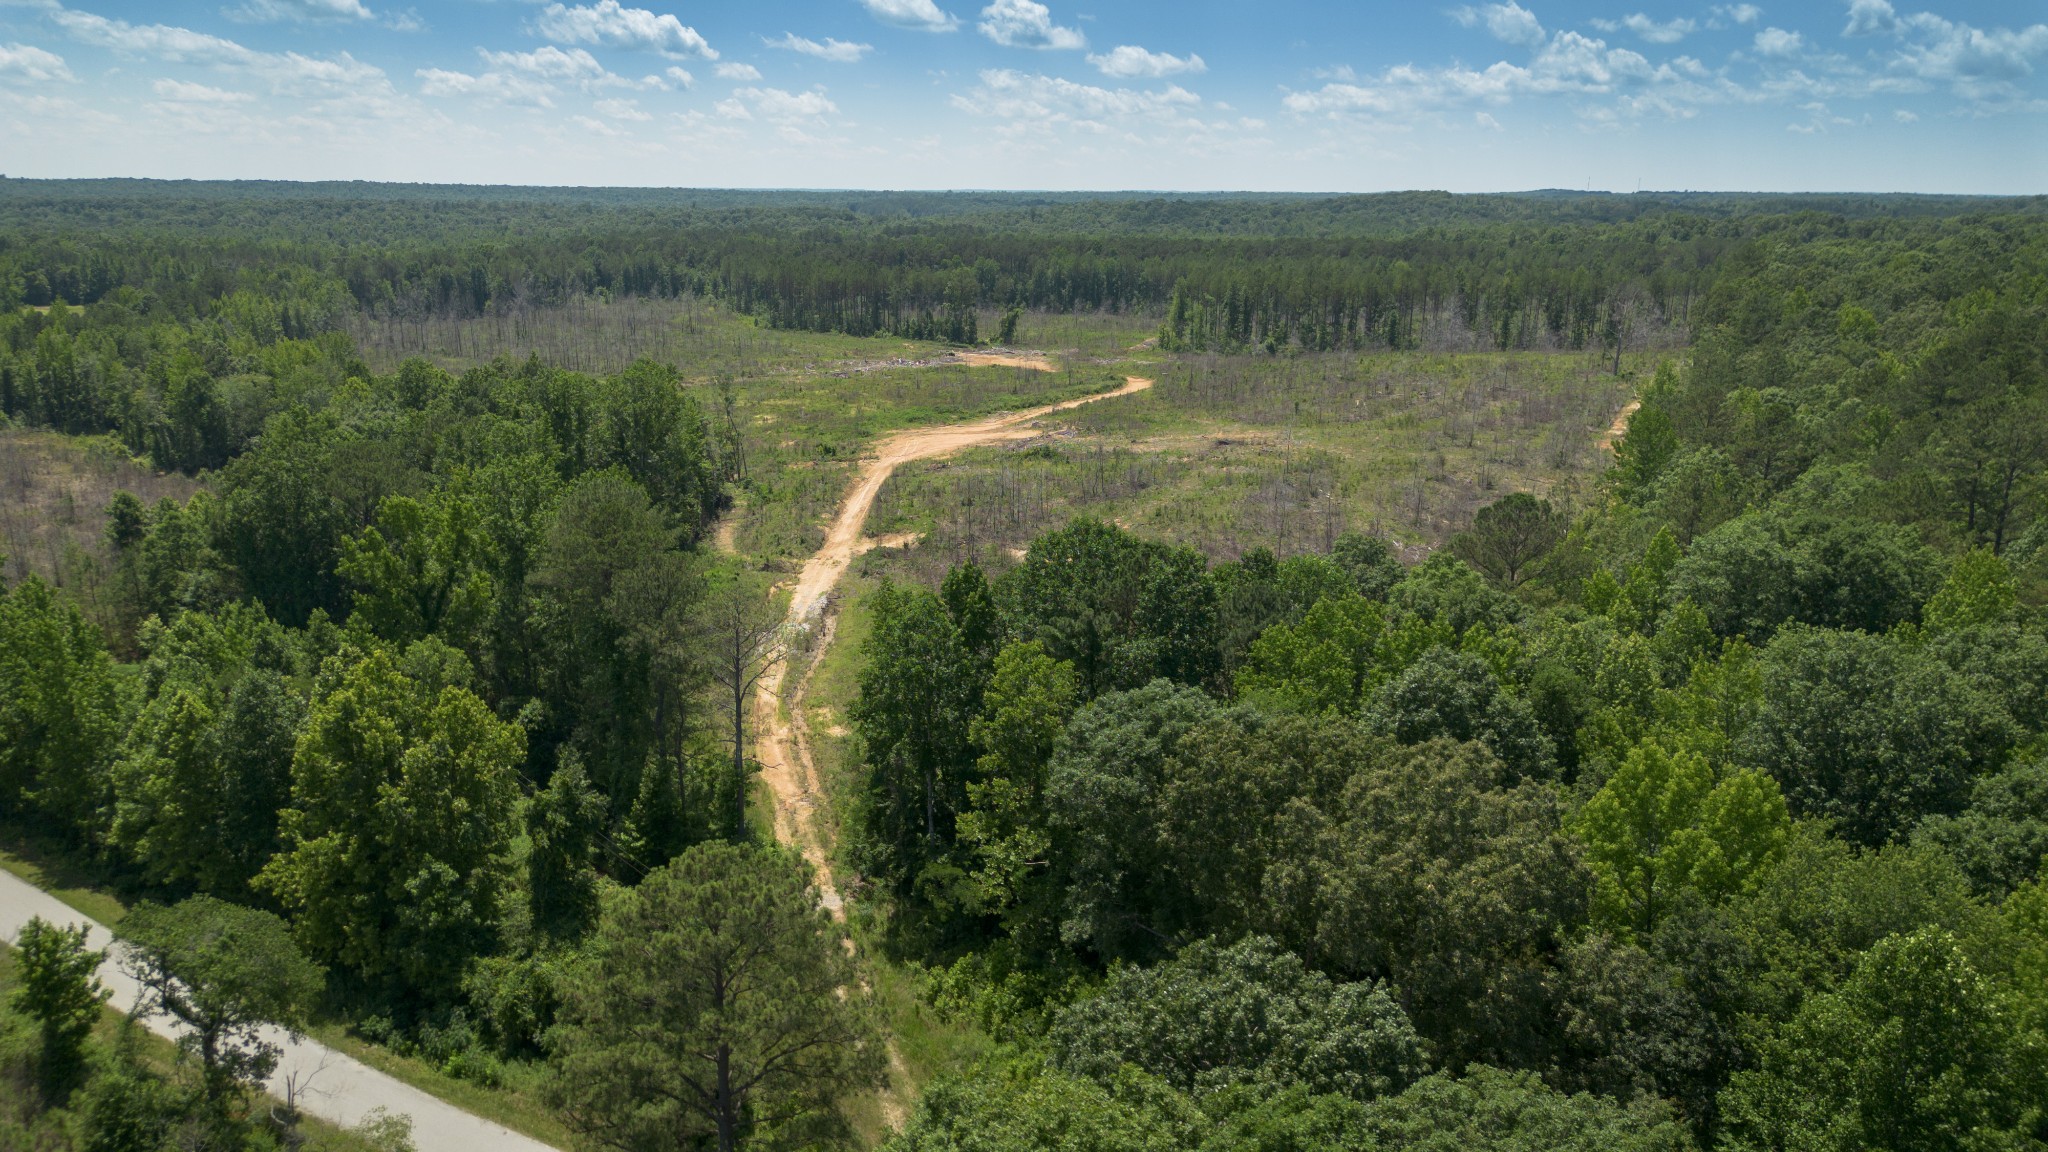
(783, 745)
(1035, 362)
(1619, 428)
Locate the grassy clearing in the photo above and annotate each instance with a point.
(1227, 454)
(597, 334)
(53, 502)
(594, 334)
(805, 435)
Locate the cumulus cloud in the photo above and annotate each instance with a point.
(1129, 60)
(1026, 24)
(1509, 22)
(1870, 18)
(1571, 64)
(271, 11)
(733, 70)
(837, 51)
(922, 15)
(775, 105)
(534, 77)
(1656, 32)
(287, 73)
(611, 24)
(547, 63)
(26, 62)
(1037, 102)
(162, 41)
(1725, 14)
(680, 77)
(621, 109)
(1982, 65)
(1975, 63)
(1778, 42)
(180, 92)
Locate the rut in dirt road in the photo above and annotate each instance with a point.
(783, 747)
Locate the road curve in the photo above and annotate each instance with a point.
(782, 746)
(325, 1083)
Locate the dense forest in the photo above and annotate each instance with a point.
(1347, 272)
(1707, 813)
(1713, 816)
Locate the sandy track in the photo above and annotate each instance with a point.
(1619, 428)
(1006, 360)
(783, 745)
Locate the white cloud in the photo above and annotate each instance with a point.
(837, 51)
(1778, 42)
(1736, 14)
(775, 105)
(548, 63)
(287, 73)
(680, 77)
(1905, 116)
(1668, 32)
(178, 91)
(1985, 66)
(1128, 60)
(20, 62)
(596, 127)
(179, 45)
(1570, 65)
(1034, 103)
(269, 11)
(492, 87)
(1509, 22)
(1870, 18)
(734, 70)
(922, 15)
(1485, 120)
(534, 77)
(1026, 24)
(621, 109)
(1976, 64)
(611, 24)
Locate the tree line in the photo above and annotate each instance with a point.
(1318, 273)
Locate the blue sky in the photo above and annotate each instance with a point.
(1872, 95)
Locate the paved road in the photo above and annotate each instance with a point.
(337, 1088)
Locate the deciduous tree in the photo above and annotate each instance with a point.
(223, 972)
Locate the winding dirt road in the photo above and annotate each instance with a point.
(783, 745)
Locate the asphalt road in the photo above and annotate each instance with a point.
(325, 1083)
